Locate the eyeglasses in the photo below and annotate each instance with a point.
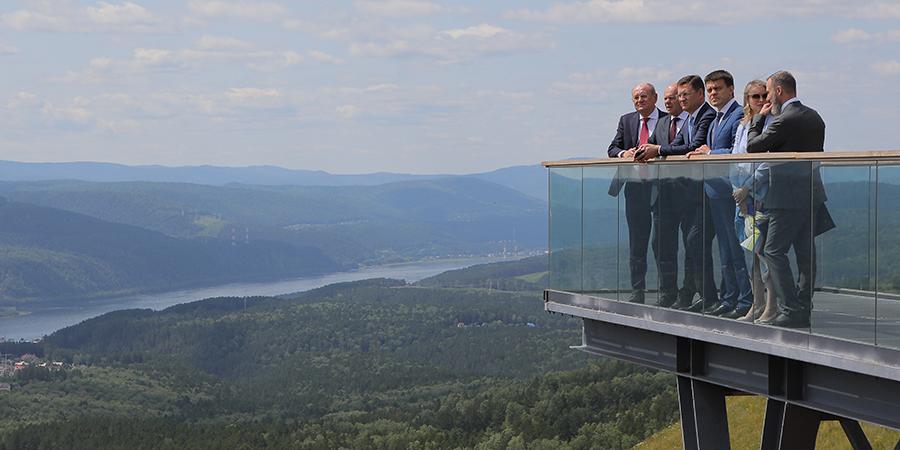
(759, 96)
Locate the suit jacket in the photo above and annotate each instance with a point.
(720, 139)
(798, 128)
(627, 136)
(627, 133)
(682, 145)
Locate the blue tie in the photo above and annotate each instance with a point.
(716, 128)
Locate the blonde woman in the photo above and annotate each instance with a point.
(750, 184)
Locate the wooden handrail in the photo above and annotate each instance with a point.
(826, 157)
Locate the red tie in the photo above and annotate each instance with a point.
(645, 132)
(673, 129)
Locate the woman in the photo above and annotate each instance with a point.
(750, 181)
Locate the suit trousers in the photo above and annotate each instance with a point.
(672, 211)
(699, 250)
(791, 228)
(736, 290)
(637, 215)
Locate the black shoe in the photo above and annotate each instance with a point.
(790, 321)
(695, 307)
(666, 300)
(636, 297)
(736, 312)
(721, 310)
(713, 306)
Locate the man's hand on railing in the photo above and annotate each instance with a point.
(702, 150)
(646, 152)
(629, 154)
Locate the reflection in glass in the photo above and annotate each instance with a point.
(601, 257)
(844, 304)
(888, 255)
(565, 228)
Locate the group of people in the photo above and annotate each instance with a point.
(766, 208)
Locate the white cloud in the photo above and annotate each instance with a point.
(399, 8)
(852, 36)
(66, 16)
(208, 42)
(324, 57)
(887, 68)
(483, 31)
(23, 100)
(127, 13)
(696, 11)
(6, 49)
(452, 45)
(238, 9)
(347, 111)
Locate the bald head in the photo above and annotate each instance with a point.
(670, 100)
(644, 97)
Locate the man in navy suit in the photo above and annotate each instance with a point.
(693, 135)
(634, 130)
(736, 296)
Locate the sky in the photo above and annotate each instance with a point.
(415, 86)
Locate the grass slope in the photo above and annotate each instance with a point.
(745, 419)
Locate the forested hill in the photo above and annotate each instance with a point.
(375, 364)
(48, 253)
(527, 274)
(352, 225)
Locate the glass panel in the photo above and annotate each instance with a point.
(565, 228)
(601, 257)
(637, 276)
(676, 202)
(888, 255)
(844, 303)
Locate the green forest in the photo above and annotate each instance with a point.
(371, 364)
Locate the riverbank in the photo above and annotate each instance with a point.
(49, 317)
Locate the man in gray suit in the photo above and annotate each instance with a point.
(796, 195)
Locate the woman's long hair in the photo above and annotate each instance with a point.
(748, 113)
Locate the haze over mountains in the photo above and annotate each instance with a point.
(72, 238)
(530, 180)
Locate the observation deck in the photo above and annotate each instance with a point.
(839, 356)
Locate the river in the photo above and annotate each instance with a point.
(47, 320)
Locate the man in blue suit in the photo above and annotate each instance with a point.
(692, 136)
(736, 296)
(635, 129)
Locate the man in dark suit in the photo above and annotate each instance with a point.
(794, 188)
(693, 134)
(668, 210)
(635, 129)
(736, 295)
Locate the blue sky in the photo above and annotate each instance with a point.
(410, 85)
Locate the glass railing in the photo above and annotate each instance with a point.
(796, 240)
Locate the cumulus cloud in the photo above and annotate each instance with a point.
(692, 11)
(66, 16)
(856, 36)
(208, 42)
(400, 8)
(452, 45)
(245, 10)
(154, 60)
(887, 68)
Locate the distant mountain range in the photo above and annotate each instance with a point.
(48, 253)
(530, 180)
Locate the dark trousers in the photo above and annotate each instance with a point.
(637, 214)
(736, 290)
(699, 250)
(672, 211)
(791, 228)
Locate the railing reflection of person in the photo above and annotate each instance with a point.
(692, 98)
(634, 129)
(672, 207)
(736, 295)
(796, 196)
(750, 181)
